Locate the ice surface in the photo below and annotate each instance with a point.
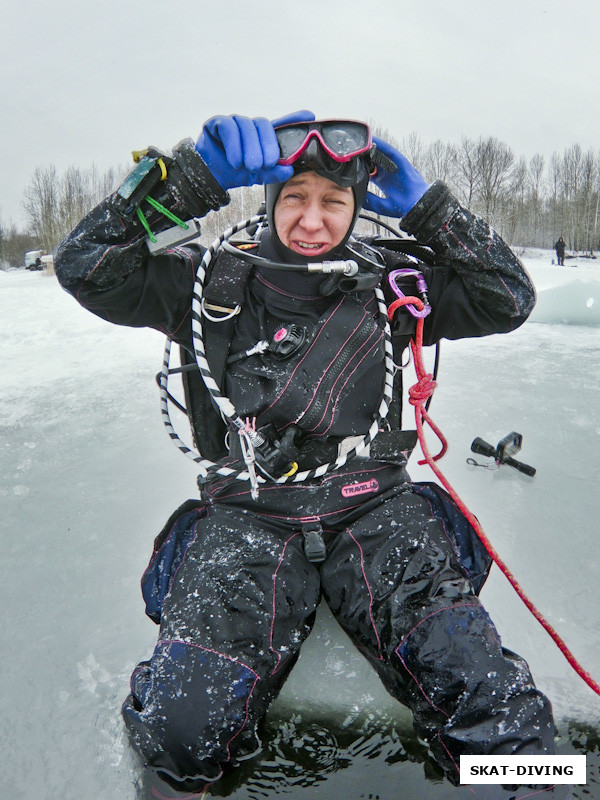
(89, 477)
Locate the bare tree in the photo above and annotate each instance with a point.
(244, 204)
(75, 197)
(439, 162)
(467, 171)
(595, 221)
(536, 173)
(384, 133)
(414, 149)
(15, 244)
(2, 238)
(54, 204)
(41, 204)
(587, 202)
(495, 163)
(513, 222)
(570, 178)
(531, 204)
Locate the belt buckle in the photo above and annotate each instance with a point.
(349, 443)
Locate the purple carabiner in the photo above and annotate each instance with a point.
(421, 286)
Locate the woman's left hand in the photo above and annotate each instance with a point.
(402, 189)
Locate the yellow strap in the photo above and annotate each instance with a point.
(139, 154)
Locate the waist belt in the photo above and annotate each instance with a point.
(391, 447)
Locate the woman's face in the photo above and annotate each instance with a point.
(313, 214)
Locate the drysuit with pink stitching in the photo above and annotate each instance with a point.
(232, 584)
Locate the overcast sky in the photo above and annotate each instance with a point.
(86, 82)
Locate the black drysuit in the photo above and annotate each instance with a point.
(230, 583)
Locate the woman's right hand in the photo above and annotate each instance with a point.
(240, 151)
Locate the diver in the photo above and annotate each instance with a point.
(296, 339)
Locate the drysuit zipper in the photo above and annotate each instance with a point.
(314, 413)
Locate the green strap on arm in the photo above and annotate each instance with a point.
(164, 211)
(144, 222)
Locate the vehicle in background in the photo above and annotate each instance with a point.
(39, 260)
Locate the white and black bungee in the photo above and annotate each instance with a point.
(249, 438)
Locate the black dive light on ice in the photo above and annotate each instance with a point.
(503, 452)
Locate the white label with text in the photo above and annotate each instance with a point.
(523, 769)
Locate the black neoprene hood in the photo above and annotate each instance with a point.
(354, 174)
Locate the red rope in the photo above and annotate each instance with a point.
(418, 395)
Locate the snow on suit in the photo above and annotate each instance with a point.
(230, 582)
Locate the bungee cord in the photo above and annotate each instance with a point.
(250, 439)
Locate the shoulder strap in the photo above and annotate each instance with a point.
(226, 282)
(398, 253)
(223, 298)
(409, 247)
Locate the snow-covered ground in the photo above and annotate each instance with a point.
(88, 478)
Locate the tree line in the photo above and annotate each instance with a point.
(529, 202)
(53, 204)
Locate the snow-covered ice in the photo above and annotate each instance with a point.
(89, 477)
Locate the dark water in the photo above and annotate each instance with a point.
(374, 758)
(335, 734)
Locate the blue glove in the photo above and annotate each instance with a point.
(402, 189)
(240, 151)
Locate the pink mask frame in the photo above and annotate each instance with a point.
(313, 131)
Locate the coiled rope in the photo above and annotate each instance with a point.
(418, 395)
